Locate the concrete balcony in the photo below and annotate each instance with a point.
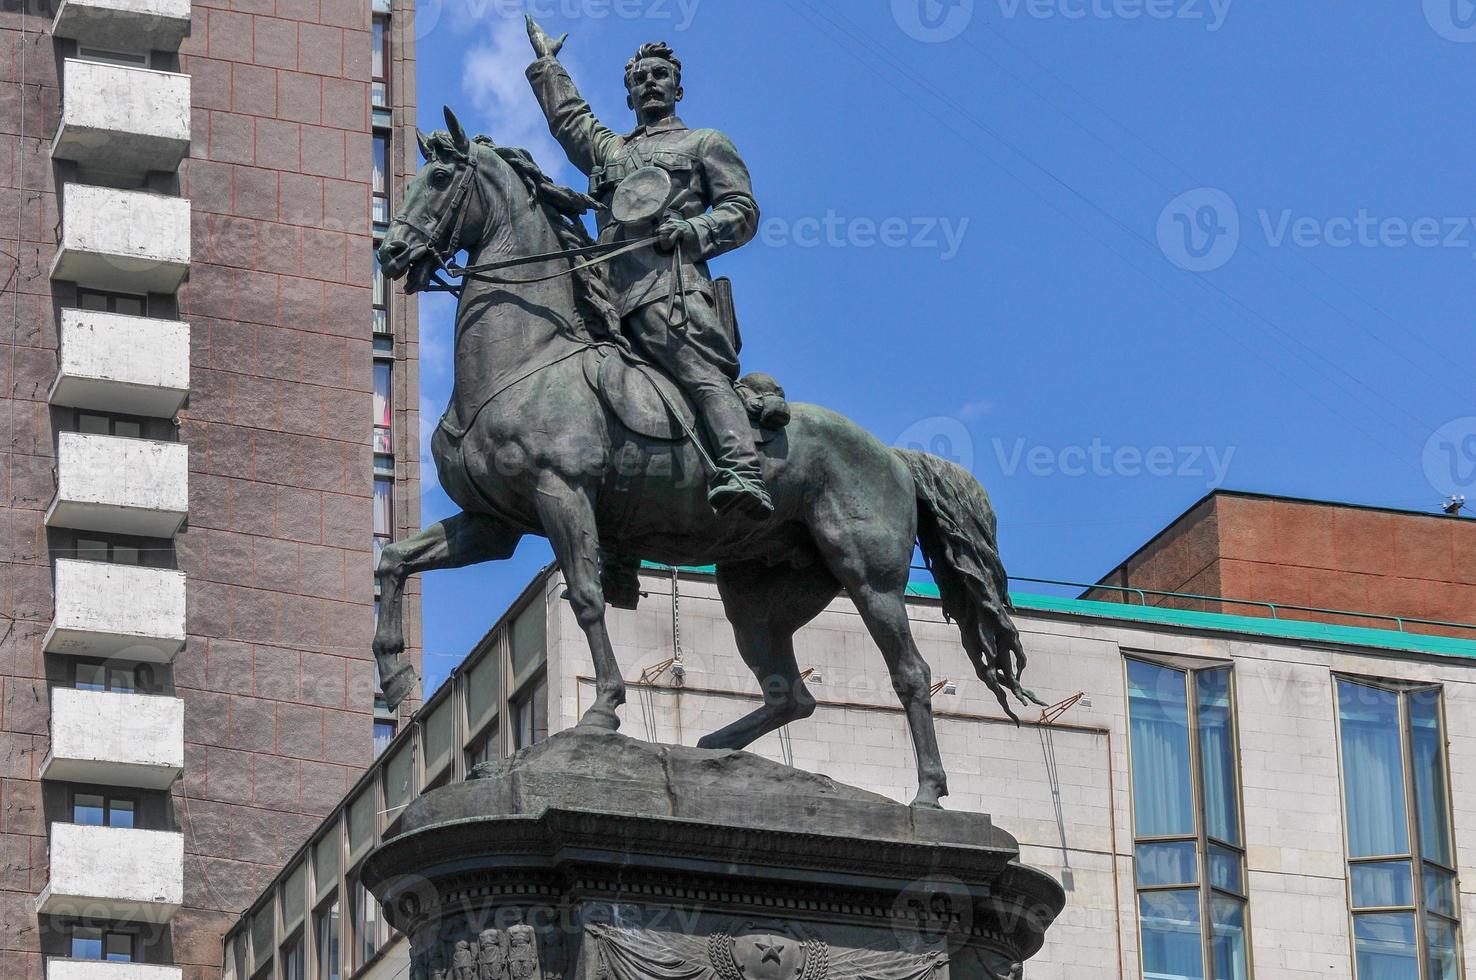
(105, 610)
(121, 119)
(115, 739)
(127, 364)
(58, 968)
(132, 25)
(123, 485)
(114, 873)
(131, 241)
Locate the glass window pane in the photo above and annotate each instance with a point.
(87, 809)
(366, 925)
(294, 896)
(1228, 953)
(383, 505)
(262, 932)
(121, 679)
(87, 943)
(1158, 712)
(93, 424)
(1373, 771)
(1428, 746)
(292, 960)
(325, 862)
(528, 640)
(1172, 863)
(120, 813)
(1225, 869)
(1440, 891)
(1382, 884)
(482, 688)
(1217, 755)
(1172, 947)
(377, 69)
(92, 677)
(90, 549)
(384, 733)
(1444, 950)
(383, 398)
(436, 734)
(89, 300)
(124, 427)
(361, 824)
(130, 305)
(380, 179)
(399, 774)
(118, 947)
(124, 554)
(327, 939)
(1385, 947)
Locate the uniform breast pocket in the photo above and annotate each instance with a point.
(604, 180)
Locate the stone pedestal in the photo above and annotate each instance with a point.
(592, 856)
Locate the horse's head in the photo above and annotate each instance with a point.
(446, 208)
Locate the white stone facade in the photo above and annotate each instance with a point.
(122, 485)
(122, 119)
(115, 739)
(132, 24)
(58, 968)
(114, 873)
(105, 610)
(130, 364)
(1063, 790)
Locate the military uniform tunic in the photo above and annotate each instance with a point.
(713, 191)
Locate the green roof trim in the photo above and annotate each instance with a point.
(1286, 629)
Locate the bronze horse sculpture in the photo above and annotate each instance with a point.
(528, 447)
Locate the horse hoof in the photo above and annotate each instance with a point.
(600, 719)
(926, 803)
(399, 685)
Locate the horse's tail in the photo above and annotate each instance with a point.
(956, 530)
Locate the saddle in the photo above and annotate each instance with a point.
(643, 398)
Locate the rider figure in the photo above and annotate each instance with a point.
(712, 212)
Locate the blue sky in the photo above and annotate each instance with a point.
(1107, 253)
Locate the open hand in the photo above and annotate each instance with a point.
(543, 45)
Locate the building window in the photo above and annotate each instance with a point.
(98, 675)
(326, 933)
(383, 406)
(1402, 883)
(384, 734)
(384, 512)
(1189, 852)
(103, 301)
(383, 341)
(97, 549)
(99, 424)
(102, 810)
(368, 927)
(91, 943)
(381, 63)
(530, 715)
(381, 177)
(292, 959)
(485, 748)
(130, 59)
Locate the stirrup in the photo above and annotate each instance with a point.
(732, 492)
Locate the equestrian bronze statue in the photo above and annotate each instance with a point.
(589, 413)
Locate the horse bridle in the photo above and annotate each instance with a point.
(463, 183)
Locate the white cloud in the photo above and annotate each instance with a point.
(493, 79)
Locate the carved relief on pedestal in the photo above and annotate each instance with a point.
(752, 954)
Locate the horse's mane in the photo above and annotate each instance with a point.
(563, 207)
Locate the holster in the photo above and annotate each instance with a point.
(726, 311)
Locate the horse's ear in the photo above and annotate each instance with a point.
(458, 135)
(426, 153)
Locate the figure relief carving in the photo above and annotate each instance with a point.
(522, 953)
(492, 955)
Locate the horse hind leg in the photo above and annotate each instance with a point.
(466, 539)
(765, 607)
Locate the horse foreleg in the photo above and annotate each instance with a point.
(466, 539)
(567, 514)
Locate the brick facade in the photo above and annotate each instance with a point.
(277, 676)
(1310, 553)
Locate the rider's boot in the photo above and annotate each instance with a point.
(738, 485)
(620, 580)
(731, 492)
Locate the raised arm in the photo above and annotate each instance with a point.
(571, 121)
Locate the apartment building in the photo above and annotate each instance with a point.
(211, 428)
